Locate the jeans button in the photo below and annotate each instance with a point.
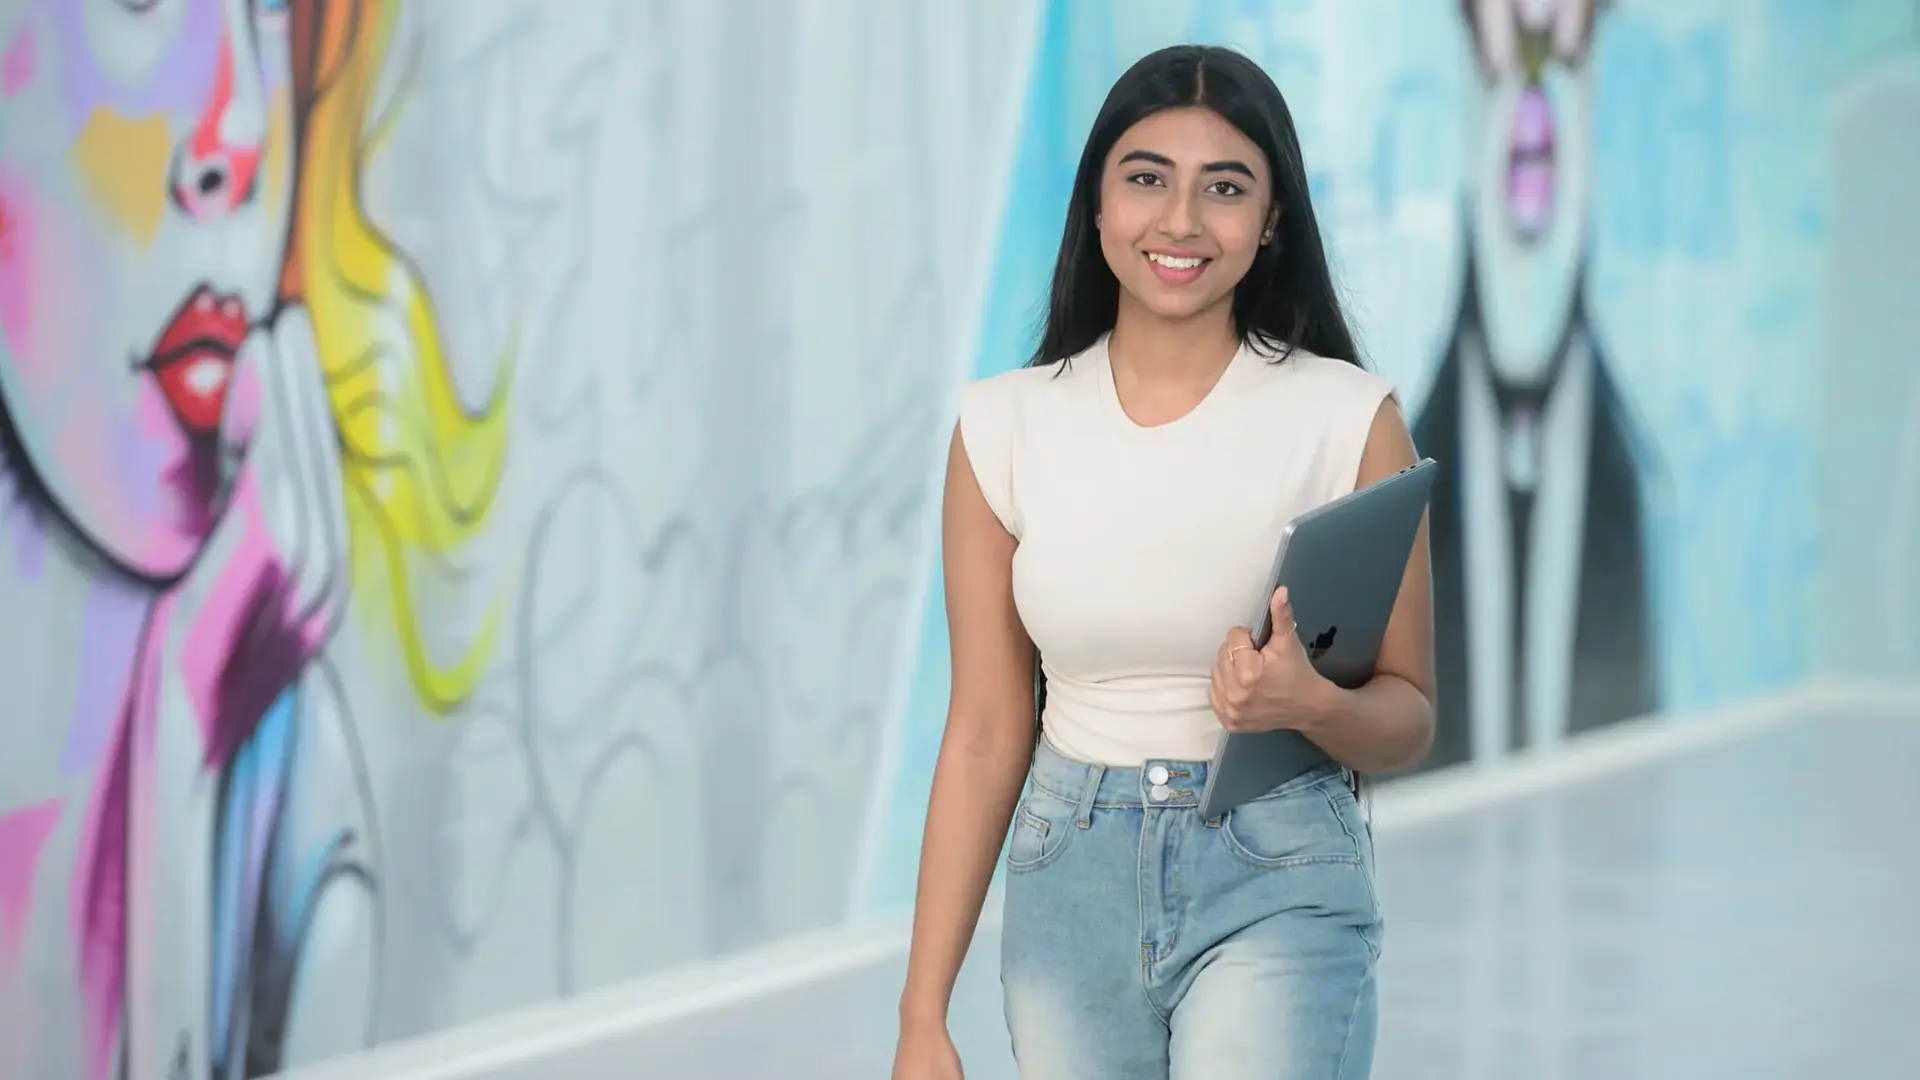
(1158, 793)
(1157, 775)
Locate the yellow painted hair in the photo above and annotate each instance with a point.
(420, 468)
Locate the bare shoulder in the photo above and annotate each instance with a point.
(1389, 446)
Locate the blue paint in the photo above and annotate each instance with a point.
(1702, 216)
(1630, 148)
(249, 817)
(1043, 168)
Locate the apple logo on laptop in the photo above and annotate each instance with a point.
(1322, 643)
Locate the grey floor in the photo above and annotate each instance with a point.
(1750, 910)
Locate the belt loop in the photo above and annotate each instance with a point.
(1095, 773)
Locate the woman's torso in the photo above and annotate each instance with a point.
(1139, 548)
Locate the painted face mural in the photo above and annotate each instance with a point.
(222, 401)
(1539, 519)
(1529, 173)
(146, 165)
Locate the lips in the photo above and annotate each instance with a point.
(1530, 164)
(1176, 268)
(194, 359)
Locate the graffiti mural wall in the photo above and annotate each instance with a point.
(1629, 262)
(467, 471)
(463, 472)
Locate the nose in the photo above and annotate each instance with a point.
(1179, 222)
(216, 169)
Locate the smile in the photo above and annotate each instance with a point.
(1176, 270)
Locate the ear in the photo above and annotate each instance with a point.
(1272, 229)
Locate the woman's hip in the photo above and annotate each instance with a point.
(1092, 842)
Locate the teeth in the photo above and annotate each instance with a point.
(206, 377)
(1174, 262)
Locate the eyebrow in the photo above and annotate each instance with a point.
(1212, 166)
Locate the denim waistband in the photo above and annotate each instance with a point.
(1160, 783)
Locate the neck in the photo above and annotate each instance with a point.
(1146, 346)
(88, 615)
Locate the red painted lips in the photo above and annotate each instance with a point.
(194, 359)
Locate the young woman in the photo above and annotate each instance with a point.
(1115, 505)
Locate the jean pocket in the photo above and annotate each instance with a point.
(1042, 825)
(1305, 826)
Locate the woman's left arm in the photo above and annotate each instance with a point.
(1387, 724)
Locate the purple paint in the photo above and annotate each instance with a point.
(110, 621)
(185, 71)
(130, 450)
(267, 653)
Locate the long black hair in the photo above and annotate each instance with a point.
(1287, 299)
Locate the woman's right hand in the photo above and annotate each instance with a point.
(926, 1052)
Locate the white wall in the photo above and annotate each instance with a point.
(1870, 474)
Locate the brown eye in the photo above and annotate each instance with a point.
(1143, 179)
(1227, 188)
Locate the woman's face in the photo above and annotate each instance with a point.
(146, 164)
(1184, 202)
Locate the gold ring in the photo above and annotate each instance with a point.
(1231, 652)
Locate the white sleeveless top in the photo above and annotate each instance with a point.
(1139, 548)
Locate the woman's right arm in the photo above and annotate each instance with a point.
(985, 751)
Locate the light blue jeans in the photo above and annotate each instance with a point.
(1142, 942)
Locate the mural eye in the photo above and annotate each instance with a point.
(139, 6)
(272, 7)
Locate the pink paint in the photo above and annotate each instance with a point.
(105, 875)
(23, 833)
(146, 942)
(244, 397)
(210, 145)
(206, 136)
(99, 907)
(224, 614)
(16, 266)
(247, 642)
(17, 63)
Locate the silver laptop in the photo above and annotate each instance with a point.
(1342, 564)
